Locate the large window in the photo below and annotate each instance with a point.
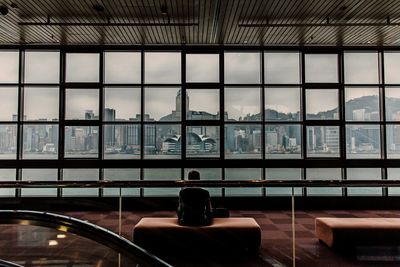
(113, 114)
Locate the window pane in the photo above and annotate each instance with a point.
(393, 174)
(242, 67)
(81, 141)
(82, 104)
(7, 175)
(283, 141)
(364, 174)
(80, 175)
(163, 104)
(202, 67)
(202, 104)
(361, 68)
(324, 174)
(45, 175)
(392, 100)
(40, 141)
(8, 103)
(392, 67)
(121, 141)
(9, 66)
(82, 67)
(283, 174)
(202, 141)
(321, 68)
(162, 141)
(322, 104)
(282, 68)
(243, 174)
(209, 174)
(362, 104)
(323, 141)
(122, 103)
(363, 141)
(162, 67)
(393, 141)
(242, 141)
(121, 175)
(41, 103)
(8, 141)
(42, 67)
(243, 104)
(122, 67)
(163, 175)
(282, 104)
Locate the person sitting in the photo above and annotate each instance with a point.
(194, 204)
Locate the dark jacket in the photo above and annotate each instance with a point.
(194, 207)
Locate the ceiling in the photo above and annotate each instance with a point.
(201, 22)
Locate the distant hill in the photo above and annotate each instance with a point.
(369, 103)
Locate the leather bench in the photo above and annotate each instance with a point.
(351, 232)
(165, 235)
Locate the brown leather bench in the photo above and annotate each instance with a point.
(350, 232)
(224, 234)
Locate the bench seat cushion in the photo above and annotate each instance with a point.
(165, 234)
(346, 232)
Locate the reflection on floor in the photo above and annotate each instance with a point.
(276, 239)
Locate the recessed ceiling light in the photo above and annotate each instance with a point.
(3, 10)
(164, 10)
(245, 41)
(98, 7)
(53, 243)
(61, 236)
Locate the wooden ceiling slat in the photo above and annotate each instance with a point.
(203, 26)
(236, 36)
(117, 36)
(227, 24)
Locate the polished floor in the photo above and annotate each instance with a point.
(276, 245)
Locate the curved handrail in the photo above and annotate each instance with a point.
(82, 228)
(202, 183)
(4, 263)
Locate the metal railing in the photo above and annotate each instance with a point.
(202, 183)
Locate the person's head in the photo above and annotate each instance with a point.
(193, 175)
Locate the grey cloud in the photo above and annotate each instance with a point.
(77, 101)
(321, 68)
(162, 67)
(41, 103)
(160, 101)
(126, 101)
(122, 67)
(202, 68)
(8, 102)
(42, 67)
(9, 67)
(82, 67)
(242, 67)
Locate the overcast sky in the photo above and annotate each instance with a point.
(161, 67)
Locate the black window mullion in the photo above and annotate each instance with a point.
(342, 107)
(142, 125)
(303, 110)
(20, 111)
(183, 108)
(262, 103)
(101, 105)
(222, 114)
(61, 109)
